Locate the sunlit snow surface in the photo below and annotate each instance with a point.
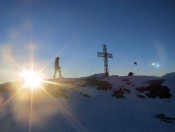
(97, 112)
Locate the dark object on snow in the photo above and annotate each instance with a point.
(130, 74)
(125, 80)
(129, 83)
(151, 95)
(164, 118)
(156, 89)
(57, 68)
(118, 93)
(86, 95)
(140, 96)
(127, 90)
(141, 89)
(101, 85)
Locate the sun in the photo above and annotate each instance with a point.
(31, 79)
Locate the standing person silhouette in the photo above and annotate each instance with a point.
(57, 68)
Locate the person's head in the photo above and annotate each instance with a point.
(57, 59)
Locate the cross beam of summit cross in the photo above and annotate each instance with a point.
(105, 55)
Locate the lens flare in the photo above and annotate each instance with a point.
(156, 65)
(153, 64)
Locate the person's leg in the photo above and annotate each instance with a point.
(54, 74)
(60, 73)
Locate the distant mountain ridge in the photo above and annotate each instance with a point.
(169, 76)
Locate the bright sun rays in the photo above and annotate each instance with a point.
(32, 94)
(31, 79)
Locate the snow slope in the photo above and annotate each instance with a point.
(75, 106)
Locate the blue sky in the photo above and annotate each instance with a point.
(134, 30)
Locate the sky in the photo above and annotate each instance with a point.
(37, 31)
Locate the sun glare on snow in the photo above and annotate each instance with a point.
(31, 79)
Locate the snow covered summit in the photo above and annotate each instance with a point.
(92, 104)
